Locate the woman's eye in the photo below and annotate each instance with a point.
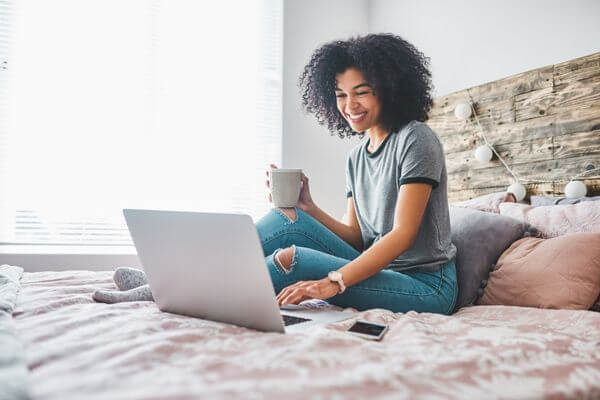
(361, 93)
(340, 95)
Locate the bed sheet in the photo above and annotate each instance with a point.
(78, 349)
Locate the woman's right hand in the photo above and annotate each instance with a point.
(305, 201)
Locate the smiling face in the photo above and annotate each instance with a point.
(356, 100)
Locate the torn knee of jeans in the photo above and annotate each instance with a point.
(285, 259)
(289, 213)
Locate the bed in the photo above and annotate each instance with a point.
(57, 343)
(75, 348)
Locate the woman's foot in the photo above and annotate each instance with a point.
(127, 278)
(140, 293)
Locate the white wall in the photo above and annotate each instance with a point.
(307, 25)
(473, 42)
(469, 43)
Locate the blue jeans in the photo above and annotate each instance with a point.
(318, 251)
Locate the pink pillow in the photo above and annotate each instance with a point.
(554, 221)
(596, 306)
(487, 202)
(562, 272)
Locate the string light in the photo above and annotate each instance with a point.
(462, 111)
(483, 153)
(574, 189)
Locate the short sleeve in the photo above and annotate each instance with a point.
(349, 192)
(421, 157)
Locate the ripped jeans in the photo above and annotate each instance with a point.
(317, 250)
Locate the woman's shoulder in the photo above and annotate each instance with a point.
(417, 127)
(418, 136)
(418, 131)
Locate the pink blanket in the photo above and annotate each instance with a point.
(79, 349)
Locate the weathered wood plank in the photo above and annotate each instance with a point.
(577, 144)
(461, 141)
(516, 84)
(590, 60)
(558, 169)
(581, 68)
(446, 126)
(490, 113)
(571, 121)
(550, 170)
(513, 153)
(533, 104)
(564, 97)
(467, 194)
(502, 89)
(593, 187)
(555, 188)
(445, 105)
(584, 75)
(540, 189)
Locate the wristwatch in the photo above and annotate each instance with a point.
(336, 276)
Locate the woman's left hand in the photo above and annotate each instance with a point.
(304, 290)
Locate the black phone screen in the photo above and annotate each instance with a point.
(367, 329)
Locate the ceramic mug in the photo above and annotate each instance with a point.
(286, 184)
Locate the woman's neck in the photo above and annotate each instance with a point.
(376, 136)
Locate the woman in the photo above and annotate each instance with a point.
(394, 249)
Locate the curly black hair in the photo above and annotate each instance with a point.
(395, 69)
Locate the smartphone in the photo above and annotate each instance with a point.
(368, 330)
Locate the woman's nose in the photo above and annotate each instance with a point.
(352, 103)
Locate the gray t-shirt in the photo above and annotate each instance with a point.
(413, 154)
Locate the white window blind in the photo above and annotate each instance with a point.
(110, 104)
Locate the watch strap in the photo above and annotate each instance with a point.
(340, 283)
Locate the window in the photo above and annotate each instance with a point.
(109, 104)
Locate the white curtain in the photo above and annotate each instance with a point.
(111, 104)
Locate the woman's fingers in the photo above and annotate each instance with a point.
(291, 298)
(284, 294)
(294, 294)
(269, 198)
(271, 166)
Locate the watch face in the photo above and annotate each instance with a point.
(335, 275)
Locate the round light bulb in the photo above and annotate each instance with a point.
(518, 190)
(483, 153)
(575, 189)
(462, 111)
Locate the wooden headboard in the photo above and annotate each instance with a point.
(545, 124)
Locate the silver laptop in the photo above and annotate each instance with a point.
(211, 266)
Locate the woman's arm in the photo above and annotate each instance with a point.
(410, 208)
(349, 233)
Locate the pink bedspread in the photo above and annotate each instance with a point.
(79, 349)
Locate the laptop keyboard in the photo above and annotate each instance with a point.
(289, 320)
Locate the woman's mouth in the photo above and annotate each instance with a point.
(355, 118)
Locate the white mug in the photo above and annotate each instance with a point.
(286, 184)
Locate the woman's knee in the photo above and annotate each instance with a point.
(285, 258)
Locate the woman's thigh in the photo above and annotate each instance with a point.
(434, 292)
(277, 231)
